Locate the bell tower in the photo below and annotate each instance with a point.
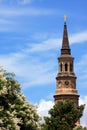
(66, 79)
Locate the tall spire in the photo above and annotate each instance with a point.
(65, 42)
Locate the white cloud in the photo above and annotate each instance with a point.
(24, 2)
(10, 17)
(30, 69)
(5, 21)
(46, 45)
(53, 43)
(3, 2)
(6, 25)
(78, 37)
(11, 12)
(43, 107)
(81, 62)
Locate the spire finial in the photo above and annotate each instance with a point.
(65, 17)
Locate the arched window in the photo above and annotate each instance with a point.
(61, 67)
(66, 67)
(71, 67)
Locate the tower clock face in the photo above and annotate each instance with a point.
(66, 83)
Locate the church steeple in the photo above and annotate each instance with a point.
(66, 79)
(65, 42)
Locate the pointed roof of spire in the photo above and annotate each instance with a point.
(65, 42)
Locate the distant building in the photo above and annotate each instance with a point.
(66, 79)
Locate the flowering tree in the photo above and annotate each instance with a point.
(16, 113)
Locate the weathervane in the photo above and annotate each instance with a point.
(65, 17)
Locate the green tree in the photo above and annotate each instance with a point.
(63, 116)
(16, 113)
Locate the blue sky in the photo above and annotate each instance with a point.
(30, 41)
